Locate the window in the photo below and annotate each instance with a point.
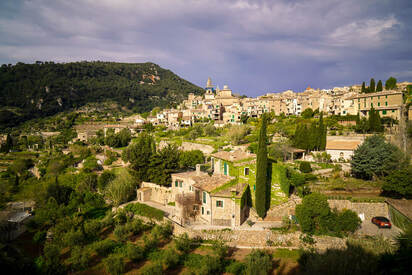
(225, 168)
(176, 183)
(204, 197)
(386, 96)
(203, 210)
(181, 184)
(190, 188)
(384, 112)
(219, 203)
(379, 97)
(371, 104)
(379, 104)
(208, 212)
(393, 111)
(386, 103)
(246, 171)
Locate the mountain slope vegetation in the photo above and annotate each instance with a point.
(42, 89)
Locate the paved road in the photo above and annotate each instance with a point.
(368, 228)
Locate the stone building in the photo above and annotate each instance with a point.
(387, 103)
(342, 150)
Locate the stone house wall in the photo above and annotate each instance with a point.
(159, 194)
(188, 146)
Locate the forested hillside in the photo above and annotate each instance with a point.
(45, 88)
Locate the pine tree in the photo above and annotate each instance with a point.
(390, 84)
(372, 85)
(379, 87)
(363, 90)
(261, 171)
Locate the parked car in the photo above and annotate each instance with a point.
(381, 222)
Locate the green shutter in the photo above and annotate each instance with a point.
(204, 197)
(176, 183)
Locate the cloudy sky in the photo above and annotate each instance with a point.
(253, 46)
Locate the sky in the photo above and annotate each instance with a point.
(254, 47)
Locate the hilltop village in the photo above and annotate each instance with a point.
(293, 173)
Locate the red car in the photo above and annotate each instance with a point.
(381, 222)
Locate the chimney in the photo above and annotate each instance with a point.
(197, 169)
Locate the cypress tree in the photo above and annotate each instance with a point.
(261, 171)
(378, 122)
(363, 90)
(322, 133)
(379, 87)
(372, 85)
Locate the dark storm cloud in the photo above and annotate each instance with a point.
(253, 46)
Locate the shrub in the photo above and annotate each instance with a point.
(220, 249)
(152, 269)
(169, 257)
(114, 264)
(133, 252)
(145, 210)
(184, 244)
(258, 262)
(136, 226)
(79, 258)
(305, 167)
(348, 221)
(121, 232)
(163, 231)
(104, 247)
(236, 268)
(203, 265)
(150, 243)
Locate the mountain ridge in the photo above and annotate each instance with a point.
(43, 89)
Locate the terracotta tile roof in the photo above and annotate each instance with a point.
(342, 144)
(203, 181)
(233, 156)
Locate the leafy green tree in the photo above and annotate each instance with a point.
(376, 157)
(138, 154)
(261, 170)
(379, 87)
(121, 189)
(372, 85)
(390, 84)
(313, 209)
(399, 183)
(124, 137)
(307, 113)
(104, 179)
(163, 164)
(191, 158)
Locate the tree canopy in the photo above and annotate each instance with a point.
(376, 157)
